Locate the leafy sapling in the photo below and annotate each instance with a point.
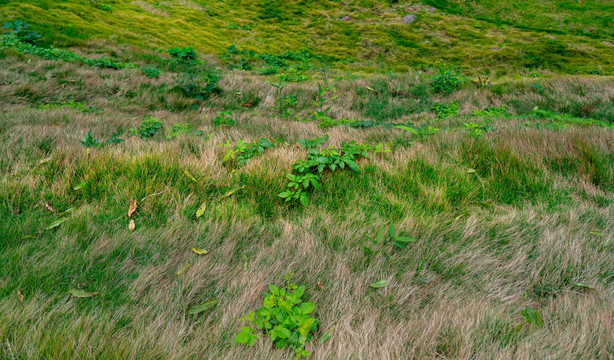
(223, 118)
(148, 128)
(283, 317)
(284, 103)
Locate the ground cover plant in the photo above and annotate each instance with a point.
(270, 201)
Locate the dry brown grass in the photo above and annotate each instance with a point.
(456, 292)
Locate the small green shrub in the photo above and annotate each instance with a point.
(477, 130)
(148, 128)
(20, 30)
(444, 111)
(90, 141)
(223, 118)
(322, 99)
(306, 172)
(447, 79)
(151, 72)
(284, 318)
(183, 55)
(178, 130)
(538, 88)
(284, 103)
(197, 86)
(243, 152)
(420, 132)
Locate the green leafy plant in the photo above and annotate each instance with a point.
(223, 118)
(538, 88)
(20, 30)
(492, 112)
(322, 99)
(284, 103)
(447, 79)
(90, 141)
(151, 72)
(148, 128)
(242, 152)
(198, 86)
(531, 316)
(283, 317)
(178, 130)
(444, 111)
(393, 239)
(70, 104)
(183, 55)
(306, 173)
(420, 132)
(477, 129)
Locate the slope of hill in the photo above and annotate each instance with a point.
(490, 38)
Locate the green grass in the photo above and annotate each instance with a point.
(519, 214)
(486, 40)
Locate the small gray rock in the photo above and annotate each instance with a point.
(408, 19)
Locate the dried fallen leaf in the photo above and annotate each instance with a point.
(132, 208)
(202, 307)
(131, 225)
(201, 210)
(183, 269)
(200, 251)
(81, 293)
(19, 295)
(48, 207)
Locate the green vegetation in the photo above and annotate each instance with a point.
(284, 317)
(440, 189)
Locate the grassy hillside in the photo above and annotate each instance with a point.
(490, 39)
(430, 214)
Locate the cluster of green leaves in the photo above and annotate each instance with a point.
(70, 104)
(178, 130)
(447, 79)
(327, 122)
(322, 99)
(243, 151)
(444, 111)
(538, 88)
(566, 119)
(19, 28)
(306, 173)
(420, 132)
(284, 103)
(223, 118)
(197, 85)
(148, 128)
(531, 316)
(393, 239)
(293, 63)
(151, 72)
(284, 318)
(89, 141)
(477, 129)
(12, 41)
(492, 112)
(183, 55)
